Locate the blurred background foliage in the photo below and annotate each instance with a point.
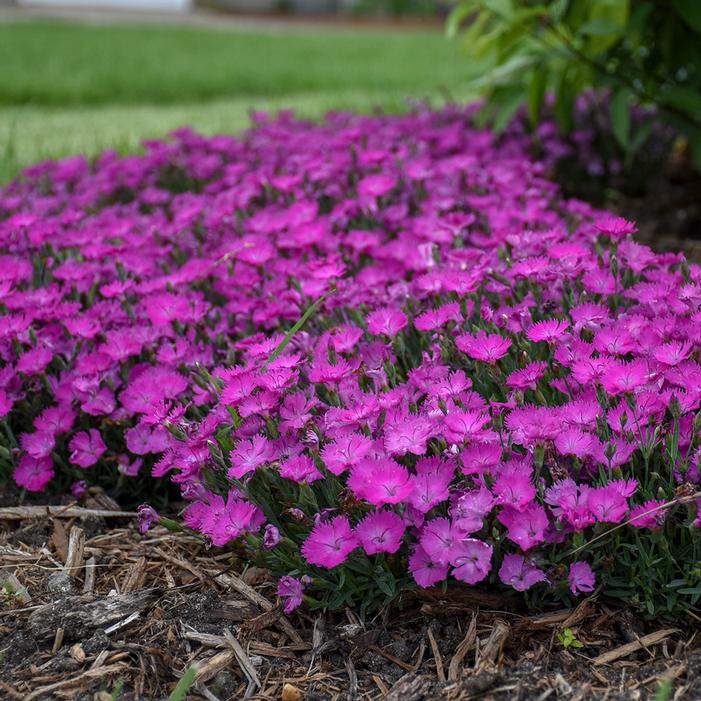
(545, 55)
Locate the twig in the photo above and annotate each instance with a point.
(463, 648)
(100, 672)
(19, 513)
(440, 672)
(639, 644)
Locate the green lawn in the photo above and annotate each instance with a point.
(71, 88)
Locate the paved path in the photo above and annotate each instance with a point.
(210, 19)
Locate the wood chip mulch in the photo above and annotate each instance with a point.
(92, 610)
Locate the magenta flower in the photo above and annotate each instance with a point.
(574, 442)
(271, 537)
(673, 353)
(462, 426)
(472, 560)
(38, 444)
(380, 532)
(300, 469)
(33, 474)
(438, 539)
(620, 378)
(330, 543)
(86, 447)
(347, 450)
(225, 521)
(380, 482)
(549, 330)
(581, 578)
(607, 504)
(291, 590)
(407, 434)
(479, 458)
(249, 455)
(651, 514)
(429, 490)
(514, 487)
(519, 572)
(147, 516)
(376, 185)
(615, 227)
(387, 322)
(527, 377)
(526, 528)
(5, 404)
(469, 510)
(485, 347)
(424, 570)
(570, 503)
(34, 361)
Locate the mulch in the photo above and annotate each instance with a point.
(92, 610)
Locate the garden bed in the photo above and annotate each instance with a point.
(347, 362)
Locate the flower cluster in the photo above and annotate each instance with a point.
(491, 383)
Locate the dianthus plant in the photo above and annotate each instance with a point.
(490, 386)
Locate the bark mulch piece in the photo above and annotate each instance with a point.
(92, 610)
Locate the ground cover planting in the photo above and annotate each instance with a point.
(373, 354)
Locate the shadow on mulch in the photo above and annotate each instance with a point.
(92, 610)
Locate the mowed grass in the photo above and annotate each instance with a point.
(72, 88)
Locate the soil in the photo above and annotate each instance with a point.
(93, 610)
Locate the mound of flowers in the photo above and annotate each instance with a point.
(373, 353)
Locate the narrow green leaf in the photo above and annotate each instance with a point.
(300, 323)
(536, 92)
(620, 117)
(183, 686)
(600, 27)
(458, 15)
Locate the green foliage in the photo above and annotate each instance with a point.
(183, 686)
(645, 53)
(568, 639)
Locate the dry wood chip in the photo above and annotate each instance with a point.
(59, 538)
(352, 680)
(206, 639)
(77, 653)
(182, 564)
(58, 640)
(440, 672)
(267, 650)
(260, 622)
(11, 690)
(20, 513)
(134, 575)
(75, 681)
(76, 545)
(466, 644)
(244, 661)
(212, 666)
(291, 693)
(628, 648)
(384, 689)
(490, 650)
(89, 584)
